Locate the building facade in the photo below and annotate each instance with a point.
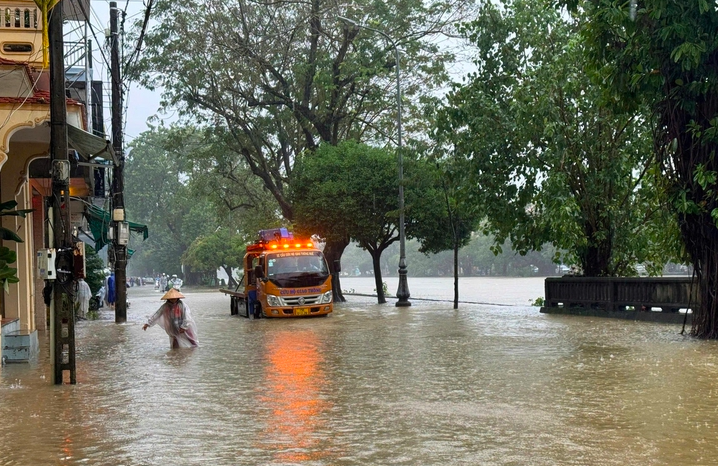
(25, 161)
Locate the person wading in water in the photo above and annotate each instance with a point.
(175, 318)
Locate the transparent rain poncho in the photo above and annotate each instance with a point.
(176, 320)
(82, 298)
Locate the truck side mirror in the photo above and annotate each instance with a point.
(258, 272)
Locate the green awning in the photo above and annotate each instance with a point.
(99, 221)
(89, 145)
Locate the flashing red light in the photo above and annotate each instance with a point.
(283, 244)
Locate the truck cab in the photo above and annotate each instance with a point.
(283, 277)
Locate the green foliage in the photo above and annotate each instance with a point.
(550, 163)
(539, 302)
(94, 270)
(347, 190)
(219, 249)
(444, 213)
(6, 209)
(350, 191)
(280, 78)
(159, 193)
(384, 288)
(8, 274)
(664, 57)
(186, 185)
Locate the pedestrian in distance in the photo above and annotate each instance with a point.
(100, 295)
(175, 318)
(82, 299)
(111, 291)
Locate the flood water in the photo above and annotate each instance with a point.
(487, 384)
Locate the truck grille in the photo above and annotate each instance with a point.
(301, 300)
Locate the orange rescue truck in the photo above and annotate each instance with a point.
(283, 277)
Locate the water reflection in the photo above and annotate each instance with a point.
(294, 379)
(371, 384)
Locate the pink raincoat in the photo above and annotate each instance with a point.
(177, 321)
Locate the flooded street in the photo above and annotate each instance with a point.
(487, 384)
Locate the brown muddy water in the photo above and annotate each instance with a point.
(487, 384)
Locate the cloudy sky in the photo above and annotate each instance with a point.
(140, 103)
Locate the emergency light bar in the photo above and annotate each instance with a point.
(285, 245)
(279, 238)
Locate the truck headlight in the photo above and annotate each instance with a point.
(326, 297)
(274, 301)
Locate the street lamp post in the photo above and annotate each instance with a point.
(402, 291)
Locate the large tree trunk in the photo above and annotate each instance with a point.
(231, 282)
(376, 262)
(333, 251)
(698, 229)
(701, 237)
(596, 257)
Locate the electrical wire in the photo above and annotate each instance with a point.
(29, 94)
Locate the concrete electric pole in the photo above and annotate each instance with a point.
(121, 233)
(62, 319)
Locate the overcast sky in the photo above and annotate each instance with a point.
(140, 103)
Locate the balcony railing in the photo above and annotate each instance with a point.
(20, 17)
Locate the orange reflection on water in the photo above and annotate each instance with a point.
(293, 383)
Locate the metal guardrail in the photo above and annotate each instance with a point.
(640, 298)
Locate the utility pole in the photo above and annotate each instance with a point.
(121, 230)
(62, 316)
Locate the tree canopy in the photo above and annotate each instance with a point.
(664, 55)
(282, 77)
(348, 192)
(550, 162)
(157, 193)
(184, 186)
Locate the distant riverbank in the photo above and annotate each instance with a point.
(502, 291)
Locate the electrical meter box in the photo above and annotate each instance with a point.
(46, 264)
(123, 233)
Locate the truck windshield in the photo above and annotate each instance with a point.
(296, 263)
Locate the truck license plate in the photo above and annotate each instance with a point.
(301, 311)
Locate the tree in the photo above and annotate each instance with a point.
(349, 192)
(665, 55)
(551, 162)
(94, 270)
(359, 201)
(158, 194)
(219, 249)
(214, 173)
(283, 77)
(451, 222)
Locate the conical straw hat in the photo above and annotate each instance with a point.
(173, 294)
